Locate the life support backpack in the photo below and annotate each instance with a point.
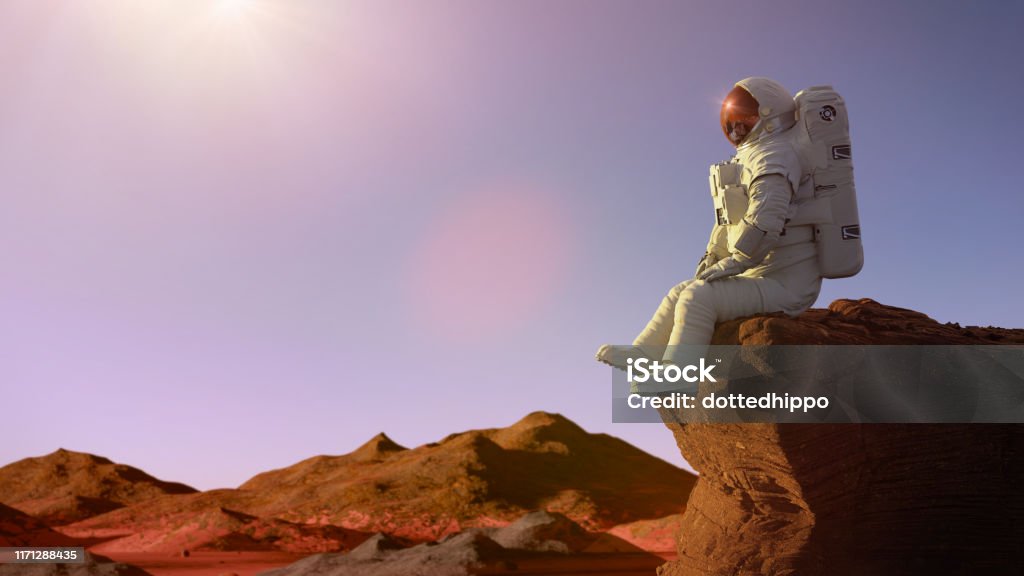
(823, 137)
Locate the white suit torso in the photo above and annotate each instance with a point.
(771, 202)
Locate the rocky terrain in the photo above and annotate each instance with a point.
(537, 543)
(852, 499)
(478, 478)
(861, 321)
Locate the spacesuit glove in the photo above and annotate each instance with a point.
(706, 261)
(724, 268)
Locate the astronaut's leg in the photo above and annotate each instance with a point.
(653, 339)
(702, 304)
(659, 329)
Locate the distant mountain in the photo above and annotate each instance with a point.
(66, 486)
(478, 477)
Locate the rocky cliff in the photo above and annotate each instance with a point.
(852, 499)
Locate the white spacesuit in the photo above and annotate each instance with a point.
(756, 262)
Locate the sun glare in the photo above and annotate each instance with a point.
(234, 11)
(232, 7)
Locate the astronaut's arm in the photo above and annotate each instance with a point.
(760, 229)
(765, 218)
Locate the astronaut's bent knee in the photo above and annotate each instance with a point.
(678, 289)
(697, 290)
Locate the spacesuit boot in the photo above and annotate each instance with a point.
(617, 356)
(652, 341)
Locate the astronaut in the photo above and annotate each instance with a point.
(755, 263)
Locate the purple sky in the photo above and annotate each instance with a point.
(236, 234)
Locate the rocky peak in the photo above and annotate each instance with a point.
(377, 448)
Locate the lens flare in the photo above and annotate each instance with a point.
(490, 264)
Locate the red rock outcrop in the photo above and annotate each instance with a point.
(853, 499)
